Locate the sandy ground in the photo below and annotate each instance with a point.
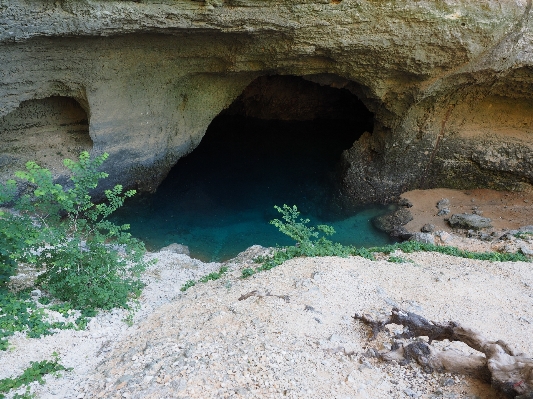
(508, 210)
(295, 337)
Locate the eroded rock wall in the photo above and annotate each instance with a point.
(450, 83)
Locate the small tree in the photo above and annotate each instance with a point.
(87, 260)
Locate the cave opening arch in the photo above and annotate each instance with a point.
(279, 142)
(46, 130)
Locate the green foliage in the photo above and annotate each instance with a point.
(307, 238)
(397, 259)
(87, 260)
(524, 235)
(17, 234)
(35, 372)
(188, 284)
(309, 243)
(415, 246)
(19, 313)
(209, 277)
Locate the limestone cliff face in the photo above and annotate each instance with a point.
(450, 83)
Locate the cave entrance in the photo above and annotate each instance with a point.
(45, 130)
(278, 143)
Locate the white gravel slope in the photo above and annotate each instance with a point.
(302, 343)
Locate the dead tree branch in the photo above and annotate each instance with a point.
(508, 372)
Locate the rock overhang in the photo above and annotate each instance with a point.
(151, 77)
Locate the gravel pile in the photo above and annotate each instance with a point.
(288, 332)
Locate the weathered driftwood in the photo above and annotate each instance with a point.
(508, 372)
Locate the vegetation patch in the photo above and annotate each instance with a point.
(524, 235)
(415, 246)
(398, 259)
(209, 277)
(84, 259)
(35, 372)
(19, 313)
(309, 242)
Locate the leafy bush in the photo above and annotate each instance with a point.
(524, 235)
(17, 233)
(309, 242)
(87, 260)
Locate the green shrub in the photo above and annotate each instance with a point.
(524, 235)
(17, 234)
(87, 260)
(309, 242)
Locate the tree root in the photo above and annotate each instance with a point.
(508, 372)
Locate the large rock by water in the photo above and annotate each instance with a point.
(391, 222)
(450, 83)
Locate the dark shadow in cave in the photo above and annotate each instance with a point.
(278, 143)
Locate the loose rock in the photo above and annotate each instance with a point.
(469, 221)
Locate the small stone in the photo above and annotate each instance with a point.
(147, 379)
(443, 211)
(428, 228)
(485, 237)
(425, 238)
(526, 251)
(124, 379)
(364, 365)
(335, 338)
(405, 203)
(443, 203)
(392, 221)
(444, 236)
(36, 293)
(411, 393)
(448, 382)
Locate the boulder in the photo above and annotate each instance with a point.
(404, 202)
(428, 228)
(425, 238)
(469, 221)
(392, 221)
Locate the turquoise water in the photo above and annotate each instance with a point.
(219, 199)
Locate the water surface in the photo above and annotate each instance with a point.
(219, 199)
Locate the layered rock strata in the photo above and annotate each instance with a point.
(450, 83)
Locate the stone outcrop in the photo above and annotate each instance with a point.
(450, 83)
(392, 222)
(469, 221)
